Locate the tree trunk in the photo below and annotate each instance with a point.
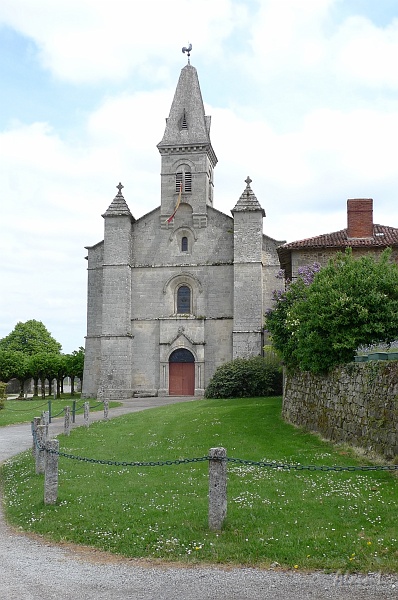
(43, 387)
(72, 385)
(35, 386)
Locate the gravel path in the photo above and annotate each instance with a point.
(35, 570)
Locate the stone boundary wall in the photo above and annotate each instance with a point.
(356, 403)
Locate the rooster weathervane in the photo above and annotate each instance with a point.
(188, 51)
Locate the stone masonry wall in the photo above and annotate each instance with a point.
(302, 258)
(357, 404)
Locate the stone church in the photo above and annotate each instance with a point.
(183, 289)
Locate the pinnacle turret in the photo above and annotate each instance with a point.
(248, 200)
(118, 206)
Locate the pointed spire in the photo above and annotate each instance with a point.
(248, 200)
(187, 124)
(118, 205)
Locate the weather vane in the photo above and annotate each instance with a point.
(188, 51)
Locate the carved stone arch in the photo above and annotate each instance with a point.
(183, 176)
(185, 346)
(183, 161)
(177, 236)
(170, 290)
(182, 372)
(183, 230)
(183, 277)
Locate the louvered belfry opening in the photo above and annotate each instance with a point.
(184, 124)
(188, 181)
(178, 181)
(184, 178)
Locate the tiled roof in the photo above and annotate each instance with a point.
(383, 236)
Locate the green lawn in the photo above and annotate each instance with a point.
(299, 519)
(22, 411)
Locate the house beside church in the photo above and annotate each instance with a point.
(183, 289)
(362, 235)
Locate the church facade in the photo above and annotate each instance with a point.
(183, 289)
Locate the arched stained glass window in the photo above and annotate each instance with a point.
(184, 244)
(183, 300)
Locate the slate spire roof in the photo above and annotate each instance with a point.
(187, 124)
(118, 206)
(248, 200)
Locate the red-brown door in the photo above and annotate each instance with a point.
(181, 379)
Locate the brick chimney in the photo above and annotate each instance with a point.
(360, 218)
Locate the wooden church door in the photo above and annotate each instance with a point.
(181, 373)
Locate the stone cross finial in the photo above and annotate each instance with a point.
(248, 181)
(120, 187)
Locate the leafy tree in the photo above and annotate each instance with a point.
(75, 367)
(60, 370)
(30, 338)
(350, 303)
(10, 364)
(43, 366)
(14, 364)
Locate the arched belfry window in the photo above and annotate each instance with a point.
(184, 300)
(184, 244)
(184, 179)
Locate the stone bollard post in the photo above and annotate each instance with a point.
(40, 455)
(45, 420)
(217, 488)
(86, 414)
(67, 420)
(51, 472)
(35, 423)
(106, 410)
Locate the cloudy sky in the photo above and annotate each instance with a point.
(303, 96)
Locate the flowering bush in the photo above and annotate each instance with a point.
(281, 321)
(325, 315)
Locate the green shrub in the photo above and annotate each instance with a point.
(3, 395)
(246, 378)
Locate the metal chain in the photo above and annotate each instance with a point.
(288, 467)
(241, 461)
(26, 409)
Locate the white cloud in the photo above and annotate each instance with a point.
(366, 53)
(288, 35)
(97, 40)
(334, 136)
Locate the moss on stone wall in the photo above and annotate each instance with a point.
(357, 404)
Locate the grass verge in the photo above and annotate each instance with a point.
(24, 411)
(297, 519)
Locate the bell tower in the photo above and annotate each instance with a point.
(188, 158)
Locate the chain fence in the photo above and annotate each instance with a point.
(227, 459)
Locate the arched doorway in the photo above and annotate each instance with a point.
(181, 373)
